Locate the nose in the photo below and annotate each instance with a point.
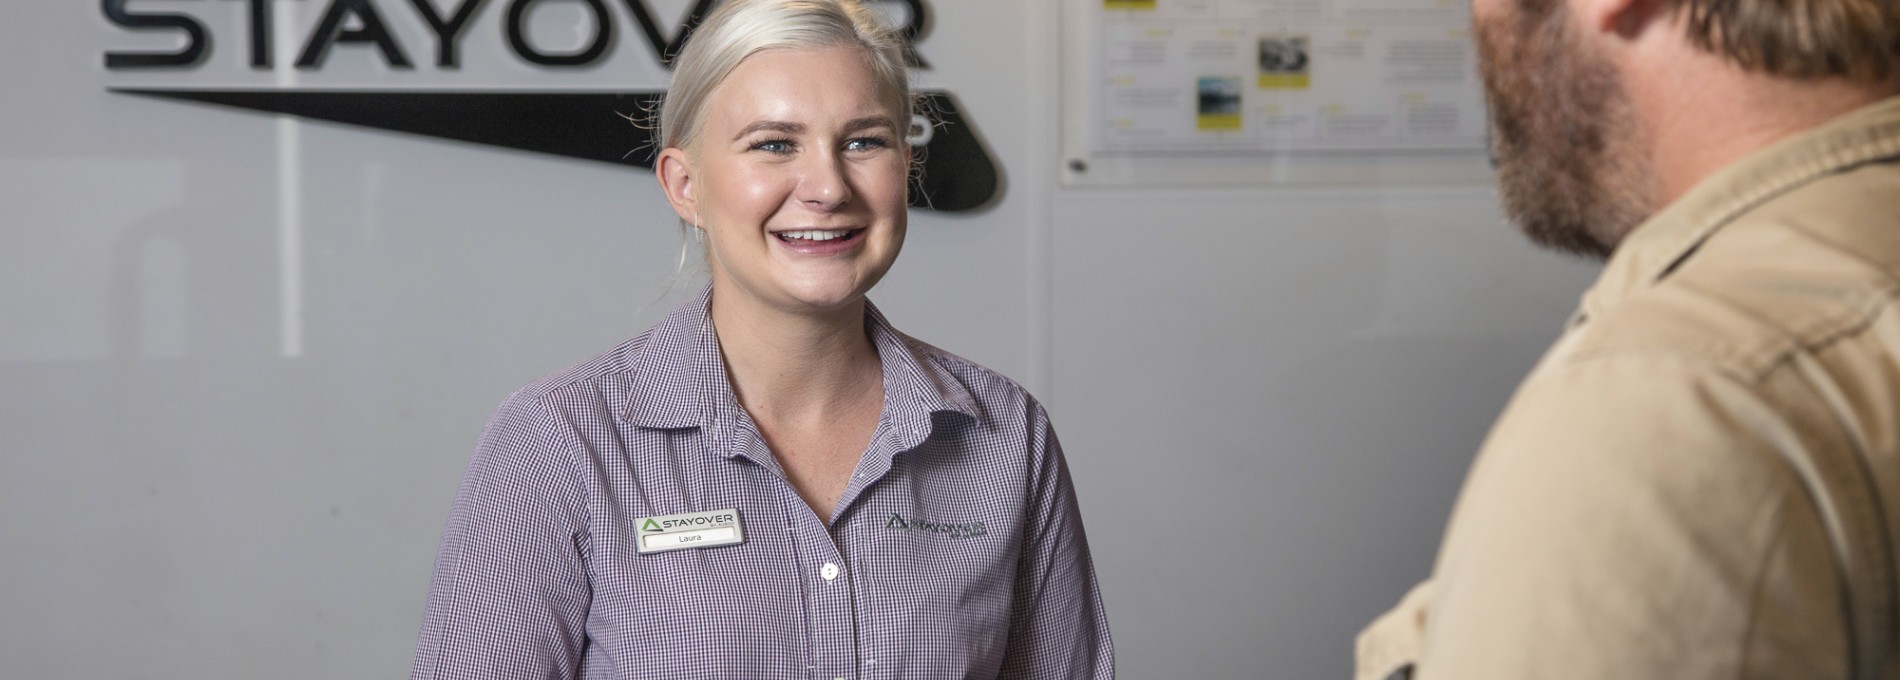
(824, 185)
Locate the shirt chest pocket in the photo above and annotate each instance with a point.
(724, 612)
(937, 592)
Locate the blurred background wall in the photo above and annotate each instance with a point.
(244, 357)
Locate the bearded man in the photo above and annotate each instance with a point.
(1701, 479)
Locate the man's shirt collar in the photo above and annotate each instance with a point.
(1656, 247)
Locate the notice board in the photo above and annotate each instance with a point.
(1225, 92)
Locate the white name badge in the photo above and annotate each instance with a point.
(692, 530)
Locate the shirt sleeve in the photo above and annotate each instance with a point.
(1632, 517)
(510, 593)
(1057, 625)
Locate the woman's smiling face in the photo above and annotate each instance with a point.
(798, 177)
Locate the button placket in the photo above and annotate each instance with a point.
(830, 613)
(832, 610)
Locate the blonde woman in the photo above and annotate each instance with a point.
(773, 482)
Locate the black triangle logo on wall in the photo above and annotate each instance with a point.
(957, 175)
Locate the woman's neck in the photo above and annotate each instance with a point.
(791, 368)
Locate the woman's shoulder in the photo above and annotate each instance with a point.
(588, 383)
(971, 372)
(991, 393)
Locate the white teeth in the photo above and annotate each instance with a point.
(817, 234)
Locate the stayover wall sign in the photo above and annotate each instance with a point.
(957, 172)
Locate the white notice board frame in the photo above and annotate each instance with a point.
(1087, 161)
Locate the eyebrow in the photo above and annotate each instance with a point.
(772, 125)
(869, 122)
(790, 128)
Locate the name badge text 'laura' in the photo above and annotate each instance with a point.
(692, 530)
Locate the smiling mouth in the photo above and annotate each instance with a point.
(798, 236)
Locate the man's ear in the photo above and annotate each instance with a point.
(1625, 18)
(674, 169)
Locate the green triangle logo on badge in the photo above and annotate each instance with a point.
(650, 525)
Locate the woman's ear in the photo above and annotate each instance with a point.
(676, 175)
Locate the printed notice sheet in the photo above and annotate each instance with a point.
(1173, 77)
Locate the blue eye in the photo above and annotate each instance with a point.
(867, 144)
(774, 146)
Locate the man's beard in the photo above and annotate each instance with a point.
(1563, 136)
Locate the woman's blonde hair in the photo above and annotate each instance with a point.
(740, 28)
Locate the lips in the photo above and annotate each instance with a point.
(815, 236)
(821, 242)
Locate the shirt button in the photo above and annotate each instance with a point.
(829, 571)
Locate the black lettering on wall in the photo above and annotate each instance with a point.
(518, 38)
(664, 48)
(959, 173)
(447, 32)
(197, 41)
(260, 33)
(372, 30)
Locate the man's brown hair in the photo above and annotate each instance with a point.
(1857, 39)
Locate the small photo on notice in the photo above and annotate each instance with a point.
(1285, 62)
(1218, 103)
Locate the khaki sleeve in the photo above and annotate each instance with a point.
(1388, 649)
(1630, 517)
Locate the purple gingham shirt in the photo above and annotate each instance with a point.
(956, 552)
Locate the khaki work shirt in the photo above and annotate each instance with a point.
(1645, 508)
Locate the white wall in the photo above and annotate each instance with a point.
(1267, 396)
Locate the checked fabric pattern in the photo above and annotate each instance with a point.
(957, 550)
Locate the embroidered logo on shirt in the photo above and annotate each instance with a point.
(897, 522)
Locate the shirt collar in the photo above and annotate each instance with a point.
(679, 379)
(1663, 241)
(917, 386)
(675, 370)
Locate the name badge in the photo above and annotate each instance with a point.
(692, 530)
